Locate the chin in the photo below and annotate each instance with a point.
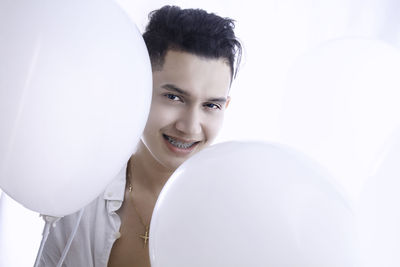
(172, 162)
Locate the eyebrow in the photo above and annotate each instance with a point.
(173, 88)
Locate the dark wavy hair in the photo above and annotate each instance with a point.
(194, 31)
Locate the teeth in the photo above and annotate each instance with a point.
(179, 144)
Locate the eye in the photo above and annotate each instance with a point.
(212, 106)
(173, 97)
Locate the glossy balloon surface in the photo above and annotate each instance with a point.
(251, 204)
(75, 91)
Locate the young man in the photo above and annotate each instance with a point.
(194, 58)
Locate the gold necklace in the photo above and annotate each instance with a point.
(144, 236)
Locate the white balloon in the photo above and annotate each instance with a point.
(75, 92)
(341, 103)
(251, 204)
(378, 211)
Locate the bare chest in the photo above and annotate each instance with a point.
(132, 249)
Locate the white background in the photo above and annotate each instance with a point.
(279, 38)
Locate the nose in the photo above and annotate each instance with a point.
(189, 122)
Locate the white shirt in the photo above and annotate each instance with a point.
(97, 232)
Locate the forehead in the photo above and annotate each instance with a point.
(195, 75)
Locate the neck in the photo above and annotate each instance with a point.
(146, 172)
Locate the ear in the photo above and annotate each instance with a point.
(228, 100)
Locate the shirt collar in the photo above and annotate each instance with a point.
(116, 189)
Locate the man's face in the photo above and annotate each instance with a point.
(190, 94)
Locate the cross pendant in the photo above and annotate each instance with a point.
(145, 237)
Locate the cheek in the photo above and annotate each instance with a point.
(160, 116)
(213, 126)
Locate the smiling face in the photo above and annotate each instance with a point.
(190, 94)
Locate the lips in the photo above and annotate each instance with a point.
(179, 145)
